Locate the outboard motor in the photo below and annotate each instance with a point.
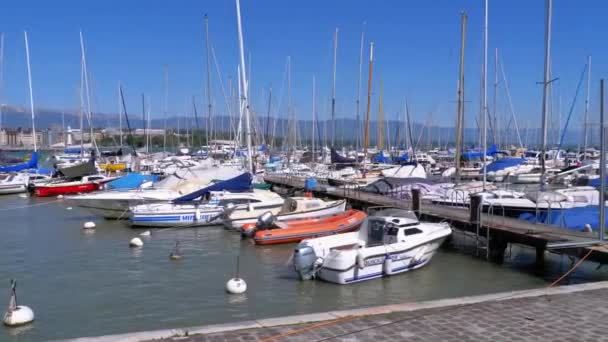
(305, 262)
(265, 221)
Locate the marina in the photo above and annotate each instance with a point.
(247, 215)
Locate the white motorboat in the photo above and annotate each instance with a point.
(292, 208)
(199, 213)
(390, 242)
(16, 183)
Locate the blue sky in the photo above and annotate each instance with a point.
(416, 52)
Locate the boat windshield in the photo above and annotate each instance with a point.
(394, 212)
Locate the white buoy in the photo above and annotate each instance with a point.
(89, 225)
(17, 314)
(146, 233)
(68, 208)
(23, 195)
(236, 285)
(59, 196)
(136, 242)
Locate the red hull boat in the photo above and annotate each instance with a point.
(76, 187)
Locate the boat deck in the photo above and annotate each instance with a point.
(500, 230)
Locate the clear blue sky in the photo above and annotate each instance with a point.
(416, 51)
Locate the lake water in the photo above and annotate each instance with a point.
(89, 284)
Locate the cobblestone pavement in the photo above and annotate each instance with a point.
(577, 316)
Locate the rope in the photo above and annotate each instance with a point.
(572, 269)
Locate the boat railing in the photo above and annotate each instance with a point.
(454, 197)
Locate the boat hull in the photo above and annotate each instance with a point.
(54, 190)
(401, 261)
(173, 219)
(12, 189)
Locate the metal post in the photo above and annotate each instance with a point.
(545, 107)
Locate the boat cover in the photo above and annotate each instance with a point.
(503, 163)
(30, 164)
(574, 218)
(239, 183)
(470, 155)
(341, 161)
(385, 185)
(131, 181)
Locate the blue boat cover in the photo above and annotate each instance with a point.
(404, 158)
(40, 171)
(380, 158)
(75, 150)
(478, 154)
(131, 181)
(574, 219)
(30, 164)
(503, 163)
(239, 183)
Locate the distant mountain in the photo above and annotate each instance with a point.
(345, 128)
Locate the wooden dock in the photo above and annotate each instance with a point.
(493, 232)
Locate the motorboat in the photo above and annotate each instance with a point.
(268, 232)
(389, 242)
(201, 213)
(292, 208)
(14, 184)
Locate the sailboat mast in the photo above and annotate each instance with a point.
(546, 82)
(585, 124)
(495, 130)
(119, 116)
(485, 94)
(358, 138)
(165, 109)
(460, 113)
(314, 160)
(244, 81)
(29, 80)
(2, 74)
(333, 91)
(207, 46)
(369, 101)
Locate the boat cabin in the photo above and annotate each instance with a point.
(301, 204)
(390, 226)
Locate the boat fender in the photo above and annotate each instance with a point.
(387, 267)
(360, 260)
(16, 314)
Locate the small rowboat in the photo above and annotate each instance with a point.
(300, 229)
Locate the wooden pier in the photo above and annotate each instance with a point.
(493, 232)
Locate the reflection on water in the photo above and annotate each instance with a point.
(83, 283)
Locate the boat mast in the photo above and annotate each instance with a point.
(380, 136)
(244, 81)
(314, 160)
(333, 91)
(495, 131)
(207, 46)
(369, 102)
(546, 82)
(586, 108)
(2, 75)
(81, 109)
(29, 80)
(602, 164)
(119, 116)
(460, 113)
(165, 109)
(484, 82)
(358, 138)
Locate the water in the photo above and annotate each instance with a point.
(89, 284)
